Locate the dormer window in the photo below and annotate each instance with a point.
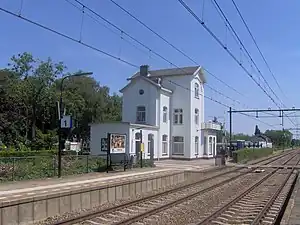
(196, 90)
(141, 114)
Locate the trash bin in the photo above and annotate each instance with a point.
(220, 160)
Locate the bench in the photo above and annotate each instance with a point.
(120, 159)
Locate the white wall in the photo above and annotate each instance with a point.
(99, 131)
(180, 99)
(196, 128)
(164, 100)
(132, 99)
(145, 132)
(208, 134)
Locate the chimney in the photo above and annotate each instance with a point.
(144, 69)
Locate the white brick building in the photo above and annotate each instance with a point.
(168, 106)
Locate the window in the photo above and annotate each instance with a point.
(196, 116)
(205, 146)
(165, 114)
(150, 144)
(178, 116)
(141, 114)
(210, 145)
(196, 145)
(165, 144)
(214, 146)
(178, 145)
(196, 90)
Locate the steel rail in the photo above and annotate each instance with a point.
(90, 215)
(217, 213)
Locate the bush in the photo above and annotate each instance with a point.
(247, 154)
(36, 167)
(13, 153)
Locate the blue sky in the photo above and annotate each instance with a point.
(273, 24)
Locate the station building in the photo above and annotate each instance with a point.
(164, 109)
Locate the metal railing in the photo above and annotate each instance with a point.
(39, 167)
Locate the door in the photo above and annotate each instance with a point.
(137, 144)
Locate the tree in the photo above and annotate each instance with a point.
(280, 137)
(28, 111)
(257, 131)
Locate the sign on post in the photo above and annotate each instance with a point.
(117, 143)
(66, 122)
(142, 147)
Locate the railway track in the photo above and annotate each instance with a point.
(255, 205)
(142, 210)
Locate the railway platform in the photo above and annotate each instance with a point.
(17, 189)
(292, 212)
(27, 202)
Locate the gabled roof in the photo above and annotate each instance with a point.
(188, 71)
(148, 80)
(260, 137)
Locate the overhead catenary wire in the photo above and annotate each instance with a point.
(260, 52)
(68, 37)
(142, 44)
(105, 53)
(173, 46)
(245, 49)
(228, 51)
(96, 49)
(250, 57)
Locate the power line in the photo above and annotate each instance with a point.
(68, 37)
(227, 50)
(247, 52)
(248, 29)
(139, 42)
(96, 49)
(173, 46)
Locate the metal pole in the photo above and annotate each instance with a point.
(141, 133)
(60, 116)
(59, 129)
(230, 131)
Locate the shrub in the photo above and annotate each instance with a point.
(13, 153)
(244, 155)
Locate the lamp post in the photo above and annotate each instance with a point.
(60, 116)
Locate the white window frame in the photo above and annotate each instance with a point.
(178, 116)
(205, 146)
(196, 145)
(149, 142)
(164, 143)
(178, 145)
(210, 145)
(197, 116)
(165, 114)
(197, 88)
(141, 114)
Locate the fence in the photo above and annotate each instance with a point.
(37, 167)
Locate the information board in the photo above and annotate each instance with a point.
(117, 143)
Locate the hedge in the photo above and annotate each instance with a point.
(10, 153)
(247, 154)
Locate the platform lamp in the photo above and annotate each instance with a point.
(60, 112)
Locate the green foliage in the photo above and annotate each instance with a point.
(37, 167)
(13, 153)
(280, 137)
(247, 154)
(28, 113)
